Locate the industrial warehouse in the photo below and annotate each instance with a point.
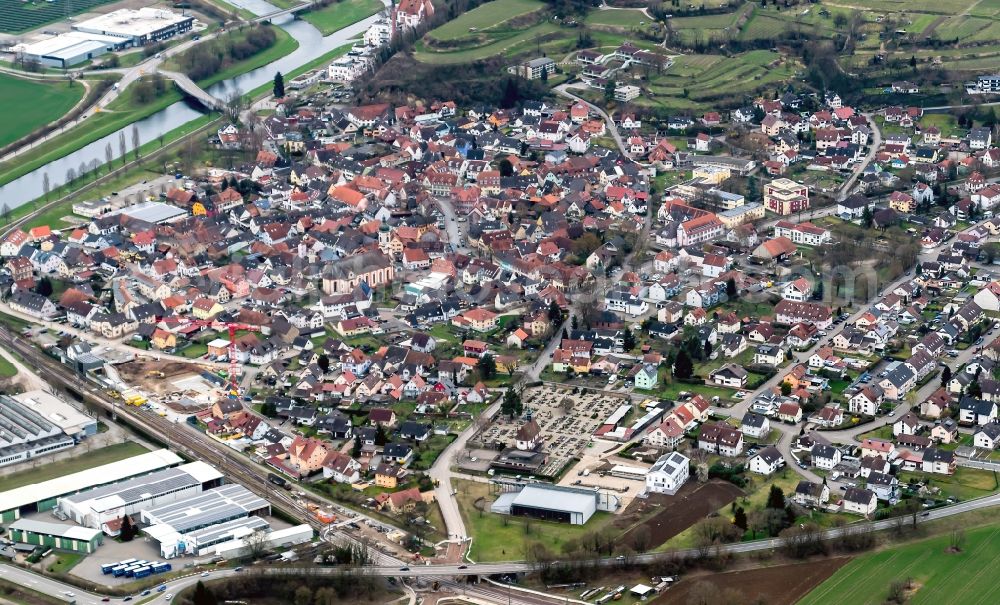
(171, 524)
(103, 507)
(43, 496)
(37, 423)
(139, 27)
(114, 31)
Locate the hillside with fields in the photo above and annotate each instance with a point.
(726, 51)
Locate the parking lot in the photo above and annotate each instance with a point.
(567, 422)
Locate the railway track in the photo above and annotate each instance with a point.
(194, 445)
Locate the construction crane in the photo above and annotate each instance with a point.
(234, 387)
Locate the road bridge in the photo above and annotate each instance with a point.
(281, 13)
(194, 91)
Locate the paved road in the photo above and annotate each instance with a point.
(441, 471)
(53, 587)
(563, 89)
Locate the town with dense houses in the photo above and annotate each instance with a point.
(554, 340)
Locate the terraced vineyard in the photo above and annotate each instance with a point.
(695, 78)
(17, 17)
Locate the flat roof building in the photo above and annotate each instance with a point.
(95, 507)
(43, 496)
(168, 524)
(279, 538)
(142, 26)
(32, 428)
(152, 212)
(550, 503)
(55, 535)
(68, 49)
(59, 412)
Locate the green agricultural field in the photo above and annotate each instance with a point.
(960, 27)
(339, 15)
(17, 16)
(939, 7)
(81, 461)
(485, 16)
(939, 576)
(35, 103)
(986, 8)
(695, 78)
(627, 19)
(520, 41)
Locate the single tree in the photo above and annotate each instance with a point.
(740, 518)
(511, 404)
(487, 366)
(776, 498)
(609, 91)
(203, 595)
(279, 86)
(867, 218)
(506, 167)
(44, 287)
(128, 529)
(628, 339)
(555, 313)
(731, 290)
(323, 361)
(683, 367)
(945, 376)
(255, 544)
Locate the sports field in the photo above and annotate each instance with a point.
(339, 15)
(939, 576)
(35, 103)
(485, 16)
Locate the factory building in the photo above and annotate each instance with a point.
(140, 27)
(43, 496)
(96, 507)
(203, 541)
(170, 524)
(37, 423)
(280, 538)
(69, 49)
